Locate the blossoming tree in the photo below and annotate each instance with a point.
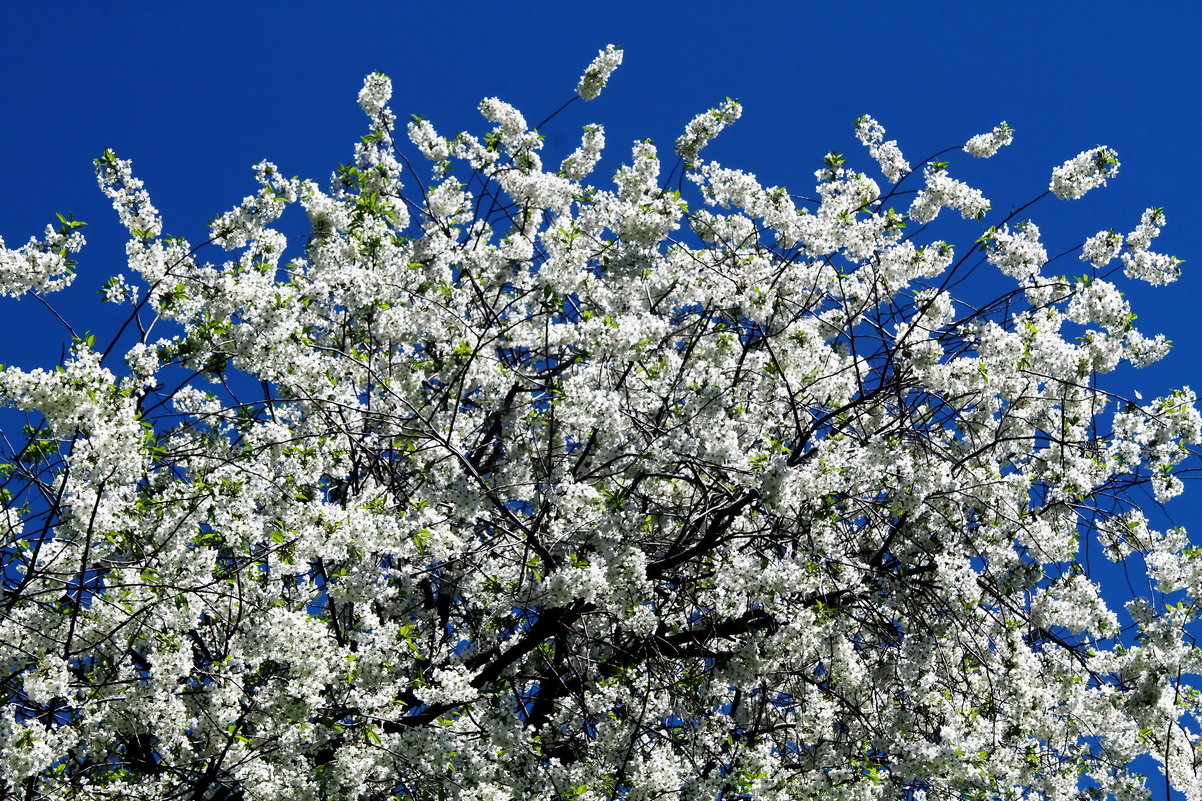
(511, 486)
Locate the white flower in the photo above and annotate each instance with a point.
(118, 290)
(1142, 351)
(508, 118)
(1101, 248)
(43, 266)
(1017, 254)
(888, 154)
(431, 145)
(1155, 268)
(1075, 604)
(1150, 223)
(1142, 264)
(584, 158)
(942, 191)
(987, 144)
(49, 681)
(704, 127)
(597, 73)
(448, 199)
(448, 686)
(130, 200)
(1100, 302)
(375, 94)
(142, 360)
(1084, 172)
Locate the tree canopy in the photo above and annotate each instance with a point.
(496, 484)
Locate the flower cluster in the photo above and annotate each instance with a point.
(887, 154)
(704, 127)
(1084, 172)
(1018, 253)
(943, 191)
(1102, 248)
(985, 145)
(597, 73)
(43, 265)
(580, 163)
(1142, 264)
(431, 145)
(130, 198)
(375, 94)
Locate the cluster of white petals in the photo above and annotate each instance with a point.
(704, 127)
(375, 94)
(44, 265)
(1085, 171)
(431, 145)
(597, 73)
(513, 486)
(1018, 253)
(1142, 264)
(130, 198)
(943, 191)
(1102, 248)
(581, 162)
(985, 145)
(887, 154)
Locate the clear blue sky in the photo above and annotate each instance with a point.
(195, 93)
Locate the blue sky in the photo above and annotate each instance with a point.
(197, 93)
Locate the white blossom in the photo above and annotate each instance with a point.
(943, 191)
(40, 265)
(504, 485)
(597, 73)
(1101, 248)
(704, 127)
(1018, 253)
(1086, 171)
(449, 686)
(431, 145)
(375, 94)
(583, 159)
(887, 154)
(508, 119)
(985, 145)
(1142, 264)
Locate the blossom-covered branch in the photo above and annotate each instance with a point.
(505, 485)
